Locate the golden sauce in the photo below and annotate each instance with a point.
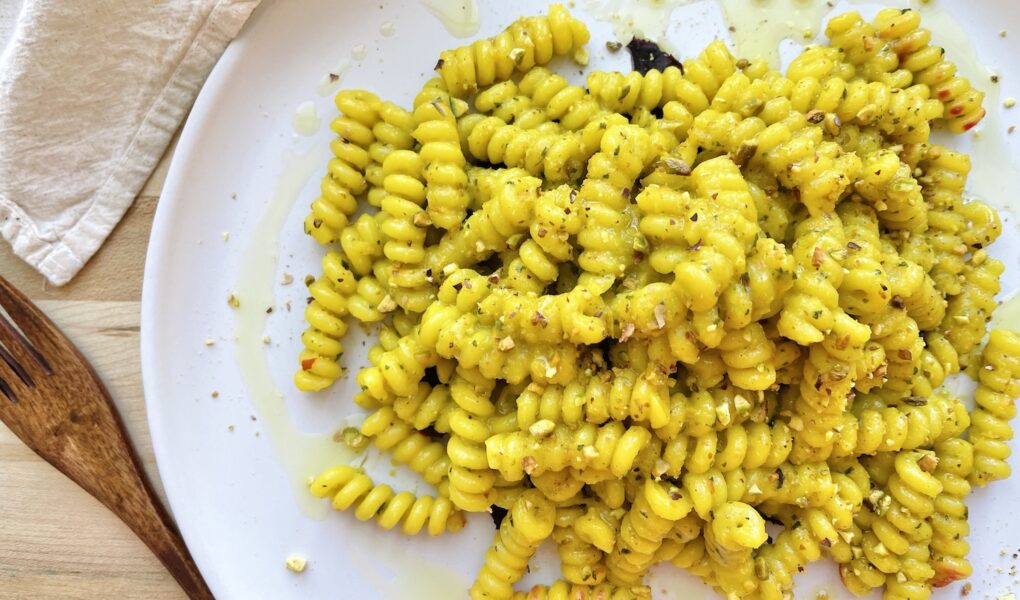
(459, 17)
(646, 19)
(1007, 316)
(429, 579)
(301, 455)
(758, 26)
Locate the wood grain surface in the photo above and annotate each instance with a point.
(56, 541)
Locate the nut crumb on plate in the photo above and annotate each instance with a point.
(296, 563)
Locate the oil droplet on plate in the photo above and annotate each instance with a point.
(306, 118)
(300, 454)
(459, 17)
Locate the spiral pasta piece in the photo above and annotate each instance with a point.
(580, 561)
(545, 151)
(818, 170)
(527, 42)
(999, 386)
(897, 521)
(605, 452)
(531, 520)
(349, 487)
(651, 517)
(949, 522)
(886, 183)
(455, 330)
(570, 105)
(563, 590)
(406, 445)
(332, 297)
(345, 173)
(606, 238)
(968, 313)
(508, 103)
(392, 132)
(436, 131)
(471, 480)
(928, 66)
(504, 214)
(808, 312)
(735, 532)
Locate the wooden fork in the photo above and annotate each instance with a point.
(53, 400)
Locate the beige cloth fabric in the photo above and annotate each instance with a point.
(91, 93)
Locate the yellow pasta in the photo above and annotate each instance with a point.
(648, 315)
(527, 42)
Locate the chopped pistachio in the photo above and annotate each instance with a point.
(296, 563)
(542, 429)
(387, 304)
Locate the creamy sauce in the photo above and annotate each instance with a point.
(758, 26)
(646, 19)
(459, 17)
(306, 119)
(302, 455)
(1008, 314)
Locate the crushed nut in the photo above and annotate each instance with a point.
(506, 344)
(387, 304)
(817, 257)
(542, 429)
(287, 279)
(660, 315)
(530, 464)
(296, 563)
(673, 166)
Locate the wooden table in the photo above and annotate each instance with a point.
(56, 541)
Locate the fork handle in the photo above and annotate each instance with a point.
(120, 483)
(151, 523)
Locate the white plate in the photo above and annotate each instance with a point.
(231, 491)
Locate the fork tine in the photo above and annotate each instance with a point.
(8, 359)
(12, 382)
(36, 325)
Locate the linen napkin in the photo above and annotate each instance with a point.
(91, 92)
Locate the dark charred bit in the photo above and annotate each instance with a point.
(646, 55)
(780, 478)
(498, 513)
(439, 64)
